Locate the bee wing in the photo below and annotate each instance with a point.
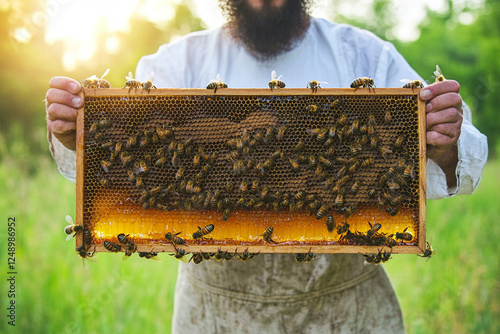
(405, 80)
(273, 75)
(70, 236)
(85, 264)
(125, 257)
(105, 73)
(437, 72)
(323, 82)
(217, 77)
(69, 219)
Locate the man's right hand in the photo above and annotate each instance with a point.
(62, 101)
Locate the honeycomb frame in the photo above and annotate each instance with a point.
(310, 234)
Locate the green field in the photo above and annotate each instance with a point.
(457, 291)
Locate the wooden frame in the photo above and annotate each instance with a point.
(418, 248)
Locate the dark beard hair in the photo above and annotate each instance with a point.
(268, 31)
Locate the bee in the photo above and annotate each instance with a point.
(355, 187)
(312, 108)
(275, 82)
(299, 147)
(354, 167)
(179, 254)
(438, 75)
(294, 164)
(227, 213)
(130, 247)
(399, 142)
(327, 163)
(392, 211)
(174, 239)
(149, 255)
(200, 234)
(266, 236)
(71, 229)
(305, 257)
(85, 254)
(268, 137)
(90, 82)
(281, 133)
(412, 84)
(197, 258)
(131, 82)
(373, 229)
(404, 235)
(428, 251)
(148, 84)
(409, 172)
(372, 192)
(363, 82)
(246, 255)
(389, 241)
(180, 174)
(255, 186)
(374, 142)
(244, 187)
(176, 160)
(112, 247)
(330, 223)
(216, 84)
(314, 85)
(339, 200)
(384, 151)
(321, 212)
(368, 162)
(106, 165)
(336, 104)
(131, 142)
(387, 117)
(353, 128)
(161, 162)
(341, 229)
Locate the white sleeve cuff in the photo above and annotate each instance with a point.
(64, 157)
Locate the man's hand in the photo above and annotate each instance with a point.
(444, 121)
(61, 104)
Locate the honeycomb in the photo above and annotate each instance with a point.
(176, 161)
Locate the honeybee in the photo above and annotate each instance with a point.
(327, 163)
(387, 117)
(336, 104)
(130, 247)
(438, 75)
(85, 255)
(374, 142)
(412, 84)
(268, 137)
(174, 239)
(197, 258)
(363, 82)
(312, 108)
(314, 85)
(339, 200)
(428, 252)
(266, 236)
(330, 223)
(131, 142)
(409, 171)
(200, 234)
(299, 147)
(404, 235)
(384, 151)
(246, 255)
(368, 162)
(305, 257)
(216, 84)
(275, 82)
(176, 160)
(72, 228)
(179, 255)
(180, 174)
(399, 142)
(227, 213)
(112, 247)
(161, 162)
(90, 82)
(355, 187)
(148, 84)
(281, 133)
(87, 238)
(341, 229)
(101, 82)
(294, 164)
(321, 212)
(389, 241)
(131, 82)
(373, 229)
(244, 187)
(150, 255)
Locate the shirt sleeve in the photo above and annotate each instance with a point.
(472, 145)
(64, 157)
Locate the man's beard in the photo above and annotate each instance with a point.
(269, 31)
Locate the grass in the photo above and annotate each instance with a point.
(456, 291)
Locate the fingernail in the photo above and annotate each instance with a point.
(77, 102)
(425, 94)
(73, 87)
(428, 107)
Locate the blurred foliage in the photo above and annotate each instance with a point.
(467, 53)
(28, 62)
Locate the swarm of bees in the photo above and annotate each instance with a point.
(341, 158)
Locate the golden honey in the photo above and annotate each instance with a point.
(124, 186)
